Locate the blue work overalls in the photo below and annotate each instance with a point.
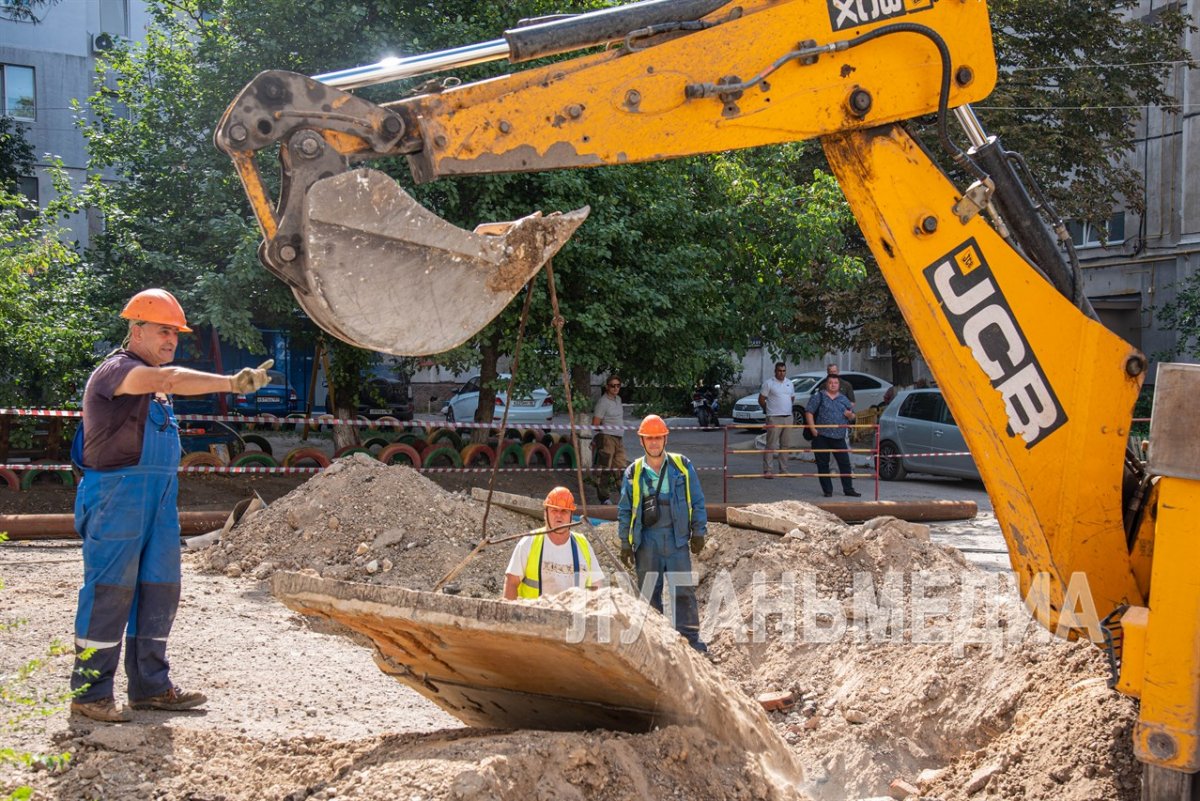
(129, 522)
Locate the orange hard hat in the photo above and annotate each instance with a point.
(560, 498)
(652, 426)
(156, 306)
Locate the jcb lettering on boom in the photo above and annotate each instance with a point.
(983, 321)
(849, 13)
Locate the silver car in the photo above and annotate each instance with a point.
(868, 391)
(914, 429)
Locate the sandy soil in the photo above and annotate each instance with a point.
(296, 712)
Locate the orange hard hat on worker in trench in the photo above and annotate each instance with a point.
(560, 498)
(652, 426)
(156, 306)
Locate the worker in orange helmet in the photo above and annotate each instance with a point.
(125, 510)
(660, 517)
(553, 558)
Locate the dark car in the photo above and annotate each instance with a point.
(277, 398)
(386, 397)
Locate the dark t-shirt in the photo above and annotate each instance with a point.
(113, 424)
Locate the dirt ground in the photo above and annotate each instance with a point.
(881, 707)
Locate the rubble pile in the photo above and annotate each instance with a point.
(910, 669)
(361, 520)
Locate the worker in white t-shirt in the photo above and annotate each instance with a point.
(777, 397)
(554, 558)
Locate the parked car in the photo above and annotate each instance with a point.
(386, 397)
(868, 391)
(277, 397)
(535, 407)
(913, 429)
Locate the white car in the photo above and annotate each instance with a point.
(536, 407)
(868, 391)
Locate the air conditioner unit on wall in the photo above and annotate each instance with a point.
(104, 42)
(875, 352)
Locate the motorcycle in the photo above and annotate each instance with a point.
(705, 405)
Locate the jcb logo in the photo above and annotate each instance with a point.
(983, 321)
(848, 13)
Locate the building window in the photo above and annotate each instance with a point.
(27, 185)
(16, 92)
(114, 17)
(1090, 235)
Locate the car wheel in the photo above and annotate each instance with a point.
(798, 415)
(891, 467)
(449, 414)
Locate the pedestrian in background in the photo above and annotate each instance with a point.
(552, 559)
(827, 415)
(660, 517)
(831, 371)
(126, 514)
(608, 447)
(777, 397)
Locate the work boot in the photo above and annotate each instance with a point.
(104, 710)
(173, 700)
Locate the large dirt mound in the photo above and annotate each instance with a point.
(906, 661)
(468, 765)
(361, 520)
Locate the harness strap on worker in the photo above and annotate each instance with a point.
(637, 487)
(531, 583)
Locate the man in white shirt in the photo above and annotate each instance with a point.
(608, 446)
(554, 558)
(776, 398)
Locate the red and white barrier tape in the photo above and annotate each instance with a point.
(328, 420)
(259, 469)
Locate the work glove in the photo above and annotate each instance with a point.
(696, 544)
(251, 379)
(627, 554)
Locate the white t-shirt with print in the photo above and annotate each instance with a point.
(558, 566)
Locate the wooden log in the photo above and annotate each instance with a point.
(62, 527)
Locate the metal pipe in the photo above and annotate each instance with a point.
(62, 527)
(971, 125)
(527, 42)
(394, 69)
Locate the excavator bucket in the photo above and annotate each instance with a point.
(386, 274)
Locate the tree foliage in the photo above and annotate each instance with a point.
(48, 336)
(1075, 78)
(1182, 315)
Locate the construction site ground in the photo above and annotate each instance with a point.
(298, 711)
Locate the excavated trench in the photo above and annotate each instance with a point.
(903, 669)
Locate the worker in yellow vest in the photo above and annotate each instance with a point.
(660, 518)
(554, 558)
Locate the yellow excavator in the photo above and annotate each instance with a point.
(1103, 542)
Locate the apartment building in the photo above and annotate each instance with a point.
(48, 54)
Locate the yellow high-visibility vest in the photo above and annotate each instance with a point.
(637, 488)
(531, 584)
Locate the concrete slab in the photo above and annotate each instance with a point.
(577, 661)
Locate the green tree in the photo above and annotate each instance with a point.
(1182, 315)
(48, 336)
(1075, 77)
